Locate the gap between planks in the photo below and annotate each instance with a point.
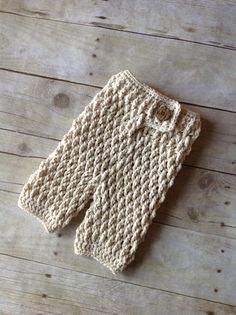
(228, 135)
(103, 26)
(207, 167)
(196, 61)
(114, 279)
(43, 158)
(100, 87)
(155, 221)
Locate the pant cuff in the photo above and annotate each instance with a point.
(38, 211)
(101, 255)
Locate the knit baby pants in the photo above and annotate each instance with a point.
(123, 152)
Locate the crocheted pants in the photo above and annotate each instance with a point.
(123, 152)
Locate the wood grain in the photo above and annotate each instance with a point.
(200, 200)
(54, 57)
(209, 22)
(190, 72)
(29, 287)
(190, 259)
(46, 108)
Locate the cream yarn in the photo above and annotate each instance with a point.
(123, 151)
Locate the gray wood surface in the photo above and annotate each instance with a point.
(172, 259)
(87, 294)
(191, 72)
(54, 57)
(207, 22)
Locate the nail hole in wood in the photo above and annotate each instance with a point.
(101, 17)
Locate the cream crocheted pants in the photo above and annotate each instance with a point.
(123, 151)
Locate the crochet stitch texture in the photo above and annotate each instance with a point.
(123, 152)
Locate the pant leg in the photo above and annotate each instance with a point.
(64, 182)
(146, 154)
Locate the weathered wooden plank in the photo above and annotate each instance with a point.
(46, 108)
(29, 287)
(40, 106)
(200, 200)
(163, 242)
(190, 72)
(199, 265)
(207, 22)
(216, 147)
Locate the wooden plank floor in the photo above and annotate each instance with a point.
(54, 57)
